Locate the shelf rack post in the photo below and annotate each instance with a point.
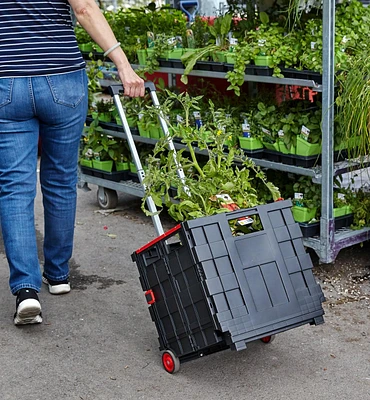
(327, 228)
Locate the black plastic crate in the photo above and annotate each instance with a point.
(210, 290)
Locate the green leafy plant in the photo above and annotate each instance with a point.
(311, 193)
(206, 176)
(102, 146)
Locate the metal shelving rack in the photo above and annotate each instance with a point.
(329, 242)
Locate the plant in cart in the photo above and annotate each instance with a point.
(209, 177)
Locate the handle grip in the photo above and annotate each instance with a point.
(117, 89)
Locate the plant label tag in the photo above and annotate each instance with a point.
(179, 119)
(190, 38)
(298, 199)
(198, 121)
(313, 45)
(178, 42)
(266, 131)
(281, 133)
(246, 130)
(244, 221)
(140, 115)
(305, 132)
(171, 41)
(233, 43)
(341, 196)
(261, 42)
(150, 39)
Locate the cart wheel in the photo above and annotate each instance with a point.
(170, 361)
(107, 198)
(268, 339)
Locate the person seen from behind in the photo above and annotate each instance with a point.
(43, 94)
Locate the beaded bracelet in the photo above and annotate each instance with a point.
(112, 48)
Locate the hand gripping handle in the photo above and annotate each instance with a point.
(117, 89)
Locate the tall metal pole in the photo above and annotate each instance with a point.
(327, 221)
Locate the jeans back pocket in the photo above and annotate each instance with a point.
(68, 89)
(6, 87)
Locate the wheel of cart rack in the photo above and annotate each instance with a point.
(268, 339)
(107, 198)
(170, 361)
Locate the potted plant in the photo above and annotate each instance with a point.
(105, 149)
(307, 200)
(104, 109)
(217, 46)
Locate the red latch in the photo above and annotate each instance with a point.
(149, 295)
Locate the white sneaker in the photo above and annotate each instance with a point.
(57, 287)
(28, 308)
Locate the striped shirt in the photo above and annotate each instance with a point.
(37, 38)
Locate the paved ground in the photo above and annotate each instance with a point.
(98, 342)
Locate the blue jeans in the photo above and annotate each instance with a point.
(53, 108)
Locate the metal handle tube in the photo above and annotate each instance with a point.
(141, 173)
(171, 146)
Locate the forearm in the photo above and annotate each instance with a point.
(93, 21)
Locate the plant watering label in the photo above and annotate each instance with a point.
(305, 132)
(266, 131)
(233, 43)
(246, 130)
(244, 221)
(198, 121)
(298, 199)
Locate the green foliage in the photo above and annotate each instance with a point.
(102, 146)
(311, 193)
(213, 173)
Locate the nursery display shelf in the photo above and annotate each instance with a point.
(344, 237)
(314, 172)
(222, 75)
(129, 187)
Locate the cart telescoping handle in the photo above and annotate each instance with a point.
(115, 91)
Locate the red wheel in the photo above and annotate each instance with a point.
(268, 339)
(170, 361)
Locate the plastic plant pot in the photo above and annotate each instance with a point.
(141, 56)
(172, 54)
(340, 211)
(103, 165)
(86, 163)
(122, 166)
(250, 143)
(86, 47)
(263, 61)
(305, 148)
(272, 146)
(219, 56)
(143, 130)
(230, 58)
(303, 214)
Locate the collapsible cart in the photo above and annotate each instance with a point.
(208, 290)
